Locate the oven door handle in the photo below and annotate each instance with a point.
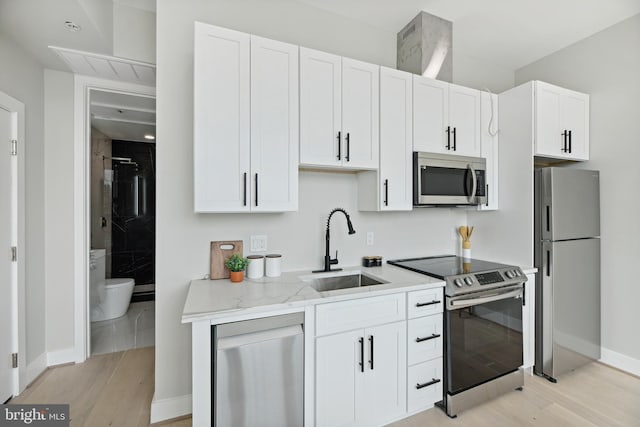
(467, 302)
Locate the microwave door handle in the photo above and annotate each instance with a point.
(474, 183)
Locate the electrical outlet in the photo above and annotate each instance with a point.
(369, 238)
(259, 243)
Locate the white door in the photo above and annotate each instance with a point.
(489, 147)
(430, 115)
(320, 108)
(339, 378)
(464, 119)
(384, 396)
(549, 135)
(574, 116)
(360, 113)
(7, 279)
(221, 120)
(396, 140)
(274, 126)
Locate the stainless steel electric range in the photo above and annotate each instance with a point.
(482, 324)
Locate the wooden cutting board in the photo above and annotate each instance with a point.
(220, 251)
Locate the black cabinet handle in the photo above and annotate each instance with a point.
(386, 192)
(569, 142)
(432, 337)
(339, 145)
(361, 363)
(487, 196)
(422, 304)
(256, 189)
(244, 196)
(432, 382)
(564, 141)
(454, 139)
(371, 350)
(448, 137)
(348, 147)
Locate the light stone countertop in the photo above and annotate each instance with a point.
(217, 299)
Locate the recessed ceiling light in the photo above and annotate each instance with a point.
(72, 26)
(148, 136)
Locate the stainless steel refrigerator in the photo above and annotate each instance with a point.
(567, 255)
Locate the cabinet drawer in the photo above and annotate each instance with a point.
(424, 338)
(424, 303)
(424, 385)
(359, 313)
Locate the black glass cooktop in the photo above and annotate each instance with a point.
(441, 267)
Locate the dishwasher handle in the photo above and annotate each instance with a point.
(235, 341)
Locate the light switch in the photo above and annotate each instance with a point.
(259, 243)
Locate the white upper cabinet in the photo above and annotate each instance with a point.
(221, 119)
(245, 122)
(274, 125)
(489, 148)
(339, 111)
(390, 188)
(446, 118)
(561, 123)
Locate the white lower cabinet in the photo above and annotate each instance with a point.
(424, 349)
(360, 376)
(529, 322)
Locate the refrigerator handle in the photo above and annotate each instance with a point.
(548, 218)
(548, 263)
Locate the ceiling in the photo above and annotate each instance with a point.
(123, 117)
(508, 33)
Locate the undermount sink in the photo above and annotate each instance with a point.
(341, 281)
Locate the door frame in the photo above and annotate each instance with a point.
(16, 108)
(83, 85)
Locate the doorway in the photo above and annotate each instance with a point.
(122, 176)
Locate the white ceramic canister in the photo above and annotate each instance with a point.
(255, 270)
(273, 265)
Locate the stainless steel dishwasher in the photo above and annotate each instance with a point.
(258, 372)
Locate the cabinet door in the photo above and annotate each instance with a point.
(221, 119)
(528, 322)
(430, 115)
(274, 126)
(320, 108)
(360, 114)
(339, 378)
(489, 147)
(464, 119)
(549, 140)
(396, 142)
(574, 116)
(384, 394)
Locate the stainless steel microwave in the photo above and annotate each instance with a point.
(445, 179)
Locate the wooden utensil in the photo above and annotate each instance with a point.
(220, 251)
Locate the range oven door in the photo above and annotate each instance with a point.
(441, 179)
(484, 337)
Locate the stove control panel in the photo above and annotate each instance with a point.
(473, 282)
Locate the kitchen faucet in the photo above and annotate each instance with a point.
(328, 262)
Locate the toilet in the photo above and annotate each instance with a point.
(109, 297)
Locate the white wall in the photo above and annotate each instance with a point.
(607, 66)
(183, 237)
(134, 33)
(58, 170)
(21, 77)
(471, 72)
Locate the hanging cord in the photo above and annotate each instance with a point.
(492, 133)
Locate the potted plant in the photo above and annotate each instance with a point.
(236, 265)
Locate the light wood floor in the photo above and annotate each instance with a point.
(116, 390)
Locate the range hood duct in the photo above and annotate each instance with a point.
(425, 47)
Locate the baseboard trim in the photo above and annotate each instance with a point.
(35, 369)
(620, 361)
(173, 407)
(61, 357)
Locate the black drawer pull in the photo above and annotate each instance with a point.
(432, 382)
(422, 304)
(433, 336)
